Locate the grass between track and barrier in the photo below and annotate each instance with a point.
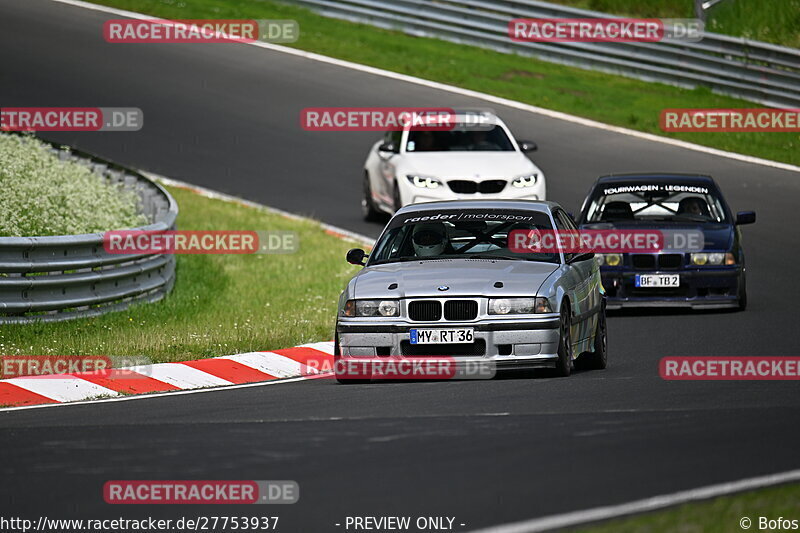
(720, 515)
(603, 97)
(221, 304)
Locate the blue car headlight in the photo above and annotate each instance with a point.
(713, 258)
(611, 260)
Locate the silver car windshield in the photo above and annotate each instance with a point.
(463, 234)
(459, 140)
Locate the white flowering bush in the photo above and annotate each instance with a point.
(41, 195)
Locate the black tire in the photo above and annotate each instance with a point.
(564, 363)
(598, 359)
(368, 209)
(336, 356)
(743, 294)
(398, 202)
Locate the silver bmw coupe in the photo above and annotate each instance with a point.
(443, 280)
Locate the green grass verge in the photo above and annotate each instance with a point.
(221, 304)
(773, 21)
(611, 99)
(720, 515)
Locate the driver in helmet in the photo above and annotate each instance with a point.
(430, 239)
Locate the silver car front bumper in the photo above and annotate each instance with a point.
(532, 343)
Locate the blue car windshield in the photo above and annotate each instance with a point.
(463, 234)
(679, 203)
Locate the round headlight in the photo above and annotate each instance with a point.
(388, 308)
(716, 259)
(600, 259)
(613, 259)
(526, 305)
(501, 307)
(367, 308)
(700, 259)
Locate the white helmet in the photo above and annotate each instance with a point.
(429, 239)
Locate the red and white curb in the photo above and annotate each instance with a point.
(307, 360)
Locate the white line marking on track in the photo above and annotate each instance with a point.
(469, 93)
(596, 514)
(161, 394)
(62, 389)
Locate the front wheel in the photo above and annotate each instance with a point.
(368, 209)
(398, 202)
(564, 363)
(598, 359)
(743, 295)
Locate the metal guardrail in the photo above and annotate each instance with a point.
(752, 70)
(59, 278)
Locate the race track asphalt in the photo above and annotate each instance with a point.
(484, 452)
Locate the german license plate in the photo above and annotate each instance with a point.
(658, 280)
(441, 336)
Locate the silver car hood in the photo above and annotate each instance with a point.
(462, 277)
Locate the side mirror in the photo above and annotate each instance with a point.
(389, 147)
(356, 256)
(745, 217)
(581, 257)
(527, 146)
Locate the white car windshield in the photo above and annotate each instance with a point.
(459, 140)
(463, 234)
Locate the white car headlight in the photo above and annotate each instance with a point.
(519, 306)
(424, 182)
(528, 180)
(371, 308)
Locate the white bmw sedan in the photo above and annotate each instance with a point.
(414, 166)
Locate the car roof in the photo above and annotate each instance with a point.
(659, 177)
(540, 206)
